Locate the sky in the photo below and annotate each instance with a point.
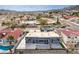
(31, 7)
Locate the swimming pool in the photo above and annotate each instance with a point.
(5, 47)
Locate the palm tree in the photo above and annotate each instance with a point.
(58, 21)
(21, 18)
(10, 39)
(13, 19)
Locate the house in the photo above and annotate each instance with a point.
(42, 40)
(16, 33)
(69, 36)
(30, 24)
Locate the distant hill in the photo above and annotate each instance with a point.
(72, 7)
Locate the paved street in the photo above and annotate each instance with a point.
(72, 25)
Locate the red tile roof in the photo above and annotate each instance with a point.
(15, 33)
(69, 32)
(65, 16)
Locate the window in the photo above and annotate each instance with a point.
(41, 41)
(56, 40)
(28, 41)
(34, 41)
(37, 40)
(46, 42)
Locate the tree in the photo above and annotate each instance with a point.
(12, 19)
(58, 21)
(75, 13)
(10, 39)
(43, 22)
(3, 23)
(23, 26)
(63, 26)
(50, 12)
(70, 46)
(13, 25)
(55, 11)
(21, 17)
(39, 16)
(6, 24)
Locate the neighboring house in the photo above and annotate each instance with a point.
(16, 33)
(69, 35)
(30, 23)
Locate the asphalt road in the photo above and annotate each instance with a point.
(72, 25)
